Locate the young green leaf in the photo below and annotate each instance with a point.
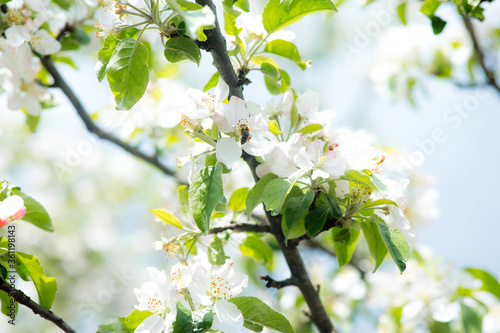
(104, 55)
(212, 83)
(128, 72)
(205, 193)
(254, 196)
(298, 207)
(46, 287)
(275, 87)
(256, 248)
(311, 128)
(182, 48)
(167, 217)
(278, 14)
(8, 304)
(396, 244)
(380, 202)
(472, 318)
(271, 72)
(237, 199)
(334, 207)
(344, 242)
(134, 319)
(193, 321)
(490, 283)
(359, 178)
(315, 220)
(257, 314)
(195, 20)
(183, 198)
(35, 212)
(287, 50)
(376, 244)
(275, 194)
(215, 252)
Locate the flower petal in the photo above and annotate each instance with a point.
(227, 151)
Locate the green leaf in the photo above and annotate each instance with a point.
(244, 5)
(380, 202)
(192, 321)
(35, 212)
(278, 14)
(429, 7)
(46, 287)
(254, 196)
(396, 244)
(315, 220)
(8, 305)
(359, 178)
(311, 128)
(32, 122)
(215, 252)
(134, 319)
(195, 20)
(271, 72)
(472, 318)
(344, 242)
(212, 83)
(273, 127)
(65, 60)
(205, 193)
(438, 24)
(183, 198)
(112, 325)
(275, 87)
(401, 9)
(334, 207)
(237, 199)
(298, 207)
(257, 249)
(104, 55)
(64, 4)
(287, 50)
(275, 194)
(128, 73)
(167, 217)
(490, 283)
(257, 314)
(376, 244)
(182, 48)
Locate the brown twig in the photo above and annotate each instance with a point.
(478, 51)
(92, 127)
(271, 283)
(23, 299)
(242, 227)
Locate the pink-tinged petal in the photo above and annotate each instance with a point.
(4, 222)
(307, 103)
(228, 151)
(221, 92)
(228, 318)
(11, 206)
(43, 43)
(20, 214)
(320, 173)
(17, 35)
(263, 169)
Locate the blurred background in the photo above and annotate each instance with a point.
(379, 75)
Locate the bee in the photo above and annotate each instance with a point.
(245, 133)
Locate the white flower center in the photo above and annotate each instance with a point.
(219, 288)
(156, 306)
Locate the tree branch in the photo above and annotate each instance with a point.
(92, 127)
(242, 227)
(478, 51)
(23, 299)
(271, 283)
(216, 45)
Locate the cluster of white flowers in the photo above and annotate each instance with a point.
(301, 145)
(12, 208)
(22, 34)
(195, 286)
